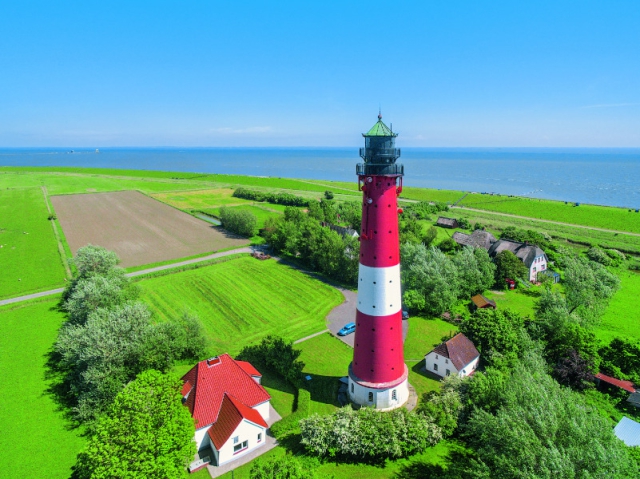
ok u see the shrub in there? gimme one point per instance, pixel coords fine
(463, 223)
(369, 434)
(328, 195)
(277, 354)
(599, 256)
(286, 199)
(238, 221)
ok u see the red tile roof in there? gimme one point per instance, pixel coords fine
(232, 413)
(248, 368)
(626, 385)
(211, 379)
(459, 349)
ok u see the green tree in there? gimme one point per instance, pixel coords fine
(444, 407)
(410, 230)
(146, 432)
(588, 287)
(430, 273)
(448, 245)
(498, 335)
(475, 271)
(92, 259)
(278, 355)
(328, 195)
(430, 236)
(539, 429)
(509, 266)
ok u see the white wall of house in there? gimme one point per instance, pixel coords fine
(201, 438)
(438, 364)
(539, 264)
(245, 432)
(264, 410)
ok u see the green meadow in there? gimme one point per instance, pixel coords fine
(29, 256)
(36, 439)
(241, 301)
(619, 219)
(262, 212)
(431, 194)
(621, 318)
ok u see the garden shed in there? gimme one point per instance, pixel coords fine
(447, 222)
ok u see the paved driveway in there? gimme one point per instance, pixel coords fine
(346, 313)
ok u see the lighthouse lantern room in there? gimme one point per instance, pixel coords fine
(377, 374)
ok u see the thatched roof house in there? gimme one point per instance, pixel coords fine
(447, 222)
(477, 239)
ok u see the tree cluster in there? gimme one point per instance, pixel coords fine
(606, 257)
(241, 222)
(368, 434)
(146, 432)
(109, 337)
(286, 199)
(509, 266)
(433, 281)
(301, 236)
(423, 209)
(276, 354)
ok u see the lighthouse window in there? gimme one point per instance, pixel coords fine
(394, 395)
(370, 397)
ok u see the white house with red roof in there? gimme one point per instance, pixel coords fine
(458, 356)
(230, 407)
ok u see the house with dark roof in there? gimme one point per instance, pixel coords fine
(445, 222)
(458, 356)
(229, 406)
(532, 256)
(477, 239)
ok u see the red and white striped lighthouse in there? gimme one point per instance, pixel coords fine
(377, 374)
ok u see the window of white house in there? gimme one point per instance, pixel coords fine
(240, 447)
(534, 269)
(259, 436)
(435, 367)
(394, 396)
(436, 356)
(370, 397)
(543, 267)
(236, 439)
(448, 372)
(446, 361)
(464, 371)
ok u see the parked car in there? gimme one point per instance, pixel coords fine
(348, 329)
(405, 314)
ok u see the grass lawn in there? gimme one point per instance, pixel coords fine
(326, 360)
(520, 300)
(612, 218)
(29, 256)
(430, 194)
(437, 455)
(261, 213)
(621, 318)
(424, 334)
(36, 440)
(243, 300)
(197, 200)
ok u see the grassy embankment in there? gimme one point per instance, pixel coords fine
(29, 256)
(36, 439)
(621, 317)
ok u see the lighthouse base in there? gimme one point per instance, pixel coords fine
(380, 396)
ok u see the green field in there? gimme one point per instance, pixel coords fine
(29, 256)
(243, 300)
(619, 219)
(520, 300)
(36, 440)
(327, 360)
(430, 194)
(259, 210)
(621, 318)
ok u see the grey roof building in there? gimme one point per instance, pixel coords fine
(477, 239)
(445, 222)
(526, 252)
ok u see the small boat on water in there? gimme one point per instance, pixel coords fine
(97, 151)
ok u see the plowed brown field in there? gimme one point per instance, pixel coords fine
(140, 229)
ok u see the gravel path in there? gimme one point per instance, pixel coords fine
(136, 273)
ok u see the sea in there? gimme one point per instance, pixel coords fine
(604, 176)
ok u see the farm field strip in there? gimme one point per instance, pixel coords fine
(37, 440)
(139, 229)
(29, 256)
(243, 300)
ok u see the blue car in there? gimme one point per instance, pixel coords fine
(348, 329)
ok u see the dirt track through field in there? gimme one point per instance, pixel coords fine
(139, 229)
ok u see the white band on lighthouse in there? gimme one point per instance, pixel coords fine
(379, 291)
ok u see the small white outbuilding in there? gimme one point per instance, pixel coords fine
(458, 356)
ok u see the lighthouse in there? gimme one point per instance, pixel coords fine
(377, 374)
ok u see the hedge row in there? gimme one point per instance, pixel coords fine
(286, 199)
(289, 424)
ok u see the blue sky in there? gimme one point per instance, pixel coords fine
(454, 73)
